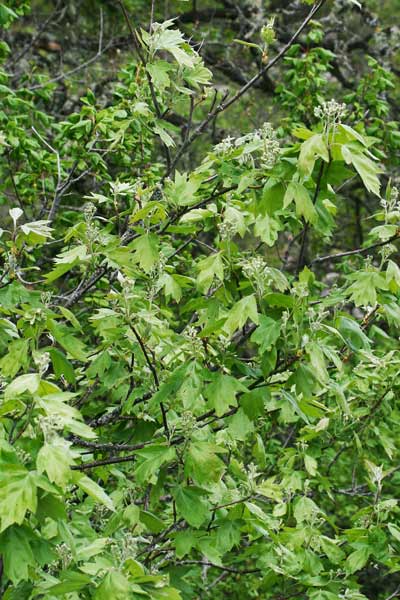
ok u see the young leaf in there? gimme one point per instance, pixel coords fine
(304, 205)
(221, 392)
(191, 504)
(93, 490)
(244, 309)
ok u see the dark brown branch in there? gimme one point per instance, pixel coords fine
(155, 376)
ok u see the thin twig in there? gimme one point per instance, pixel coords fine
(226, 104)
(136, 43)
(33, 40)
(151, 15)
(321, 259)
(14, 182)
(155, 376)
(83, 65)
(395, 594)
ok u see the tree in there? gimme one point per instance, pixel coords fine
(199, 314)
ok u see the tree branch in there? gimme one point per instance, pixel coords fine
(321, 259)
(225, 105)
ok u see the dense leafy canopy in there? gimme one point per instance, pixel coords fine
(199, 300)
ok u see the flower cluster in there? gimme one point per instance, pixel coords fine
(42, 361)
(156, 281)
(316, 318)
(262, 276)
(331, 113)
(50, 425)
(99, 515)
(92, 231)
(225, 146)
(89, 210)
(45, 298)
(189, 422)
(227, 230)
(195, 343)
(23, 456)
(392, 204)
(270, 146)
(268, 35)
(64, 554)
(257, 271)
(125, 547)
(263, 141)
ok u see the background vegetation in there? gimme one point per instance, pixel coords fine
(199, 299)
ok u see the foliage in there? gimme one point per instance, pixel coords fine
(199, 371)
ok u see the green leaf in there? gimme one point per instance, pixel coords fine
(67, 260)
(55, 460)
(244, 309)
(160, 130)
(208, 268)
(71, 581)
(364, 166)
(313, 148)
(267, 229)
(351, 133)
(393, 275)
(15, 294)
(63, 335)
(116, 586)
(152, 458)
(332, 550)
(170, 386)
(203, 464)
(272, 198)
(295, 405)
(266, 334)
(311, 465)
(146, 251)
(36, 231)
(197, 75)
(62, 366)
(317, 360)
(159, 73)
(240, 426)
(301, 196)
(182, 191)
(395, 531)
(100, 365)
(88, 550)
(221, 392)
(191, 505)
(15, 359)
(92, 489)
(17, 554)
(153, 523)
(357, 559)
(363, 290)
(17, 494)
(305, 510)
(24, 383)
(184, 542)
(353, 334)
